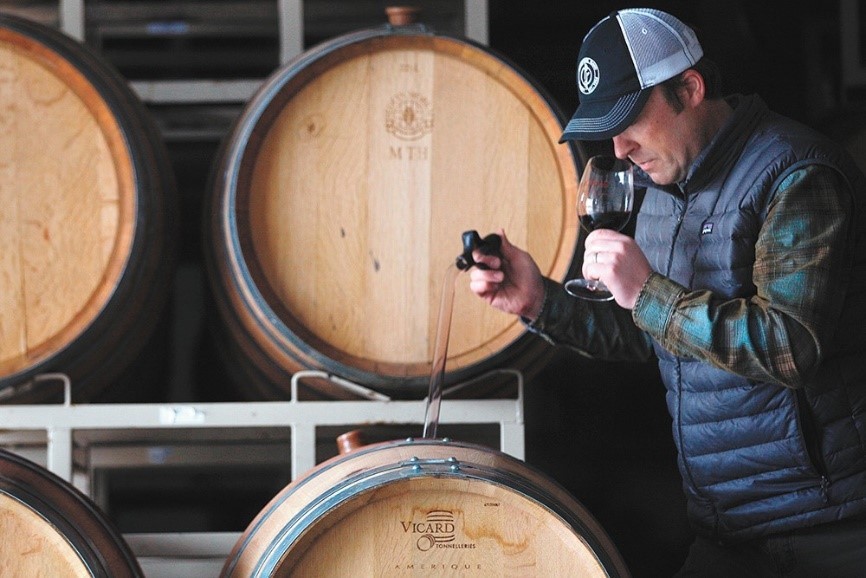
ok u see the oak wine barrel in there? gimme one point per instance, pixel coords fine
(340, 196)
(423, 508)
(50, 528)
(87, 218)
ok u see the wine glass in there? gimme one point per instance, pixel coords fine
(604, 201)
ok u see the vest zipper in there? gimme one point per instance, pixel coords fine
(810, 438)
(677, 226)
(825, 488)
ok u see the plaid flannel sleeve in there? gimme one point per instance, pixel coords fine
(801, 259)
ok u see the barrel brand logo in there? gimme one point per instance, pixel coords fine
(438, 529)
(409, 116)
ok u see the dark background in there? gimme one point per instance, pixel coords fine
(789, 52)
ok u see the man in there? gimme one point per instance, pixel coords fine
(746, 279)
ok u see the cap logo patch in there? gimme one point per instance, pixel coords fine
(587, 75)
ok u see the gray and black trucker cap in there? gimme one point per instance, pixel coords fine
(621, 59)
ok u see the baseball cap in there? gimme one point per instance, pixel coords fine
(621, 59)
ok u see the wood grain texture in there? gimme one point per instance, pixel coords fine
(352, 184)
(489, 515)
(66, 192)
(33, 547)
(51, 529)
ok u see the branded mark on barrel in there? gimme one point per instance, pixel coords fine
(438, 529)
(409, 116)
(437, 532)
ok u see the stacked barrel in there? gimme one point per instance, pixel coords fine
(87, 217)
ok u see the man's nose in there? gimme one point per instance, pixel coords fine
(622, 146)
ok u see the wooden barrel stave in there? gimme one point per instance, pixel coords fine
(339, 201)
(87, 253)
(50, 528)
(375, 510)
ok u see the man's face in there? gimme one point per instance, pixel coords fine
(660, 141)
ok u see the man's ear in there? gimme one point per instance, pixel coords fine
(693, 88)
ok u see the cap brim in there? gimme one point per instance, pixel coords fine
(605, 119)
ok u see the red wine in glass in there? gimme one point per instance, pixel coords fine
(604, 201)
(615, 220)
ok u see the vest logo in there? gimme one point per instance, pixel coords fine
(588, 75)
(707, 229)
(409, 116)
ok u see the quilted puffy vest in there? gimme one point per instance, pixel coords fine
(758, 458)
